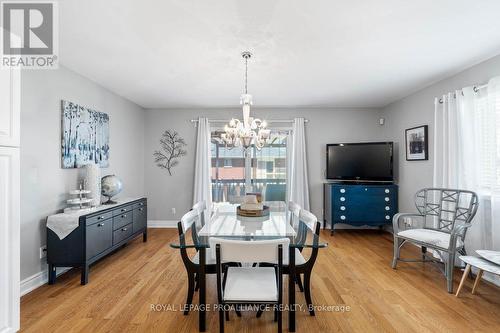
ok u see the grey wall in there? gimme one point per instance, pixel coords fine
(418, 109)
(134, 135)
(325, 126)
(44, 184)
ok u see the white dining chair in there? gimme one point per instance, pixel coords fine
(249, 285)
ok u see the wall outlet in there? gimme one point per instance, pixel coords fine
(173, 210)
(43, 251)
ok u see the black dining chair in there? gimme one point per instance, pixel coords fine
(192, 265)
(190, 221)
(307, 222)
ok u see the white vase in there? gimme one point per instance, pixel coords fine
(93, 180)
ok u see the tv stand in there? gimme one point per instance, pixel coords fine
(359, 204)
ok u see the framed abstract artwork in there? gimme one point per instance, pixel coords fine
(85, 136)
(417, 147)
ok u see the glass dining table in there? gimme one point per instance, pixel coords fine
(226, 223)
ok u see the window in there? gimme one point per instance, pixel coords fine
(487, 111)
(236, 172)
(269, 168)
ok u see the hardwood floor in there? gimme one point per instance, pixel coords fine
(354, 271)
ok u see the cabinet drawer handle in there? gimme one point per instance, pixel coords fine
(141, 209)
(342, 217)
(101, 217)
(387, 217)
(124, 229)
(387, 190)
(387, 199)
(124, 216)
(342, 207)
(342, 199)
(141, 204)
(124, 209)
(100, 224)
(342, 190)
(387, 207)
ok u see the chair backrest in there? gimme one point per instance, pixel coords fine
(294, 211)
(444, 207)
(189, 220)
(250, 251)
(201, 208)
(309, 219)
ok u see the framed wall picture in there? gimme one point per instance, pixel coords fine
(85, 136)
(417, 147)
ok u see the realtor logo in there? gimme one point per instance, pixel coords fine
(29, 34)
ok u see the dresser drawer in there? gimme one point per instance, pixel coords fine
(98, 218)
(362, 216)
(139, 204)
(122, 210)
(362, 189)
(122, 233)
(140, 219)
(99, 237)
(122, 220)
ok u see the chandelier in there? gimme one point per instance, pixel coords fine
(249, 131)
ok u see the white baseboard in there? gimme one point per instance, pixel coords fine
(162, 224)
(39, 279)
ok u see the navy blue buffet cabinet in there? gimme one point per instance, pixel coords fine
(97, 235)
(357, 204)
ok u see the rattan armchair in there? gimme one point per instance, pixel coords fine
(443, 217)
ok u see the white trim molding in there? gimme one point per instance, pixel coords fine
(9, 239)
(39, 279)
(162, 224)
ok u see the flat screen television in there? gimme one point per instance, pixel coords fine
(370, 161)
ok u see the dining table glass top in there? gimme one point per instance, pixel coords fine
(225, 223)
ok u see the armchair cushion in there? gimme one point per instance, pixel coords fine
(429, 236)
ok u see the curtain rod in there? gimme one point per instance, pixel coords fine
(267, 120)
(475, 88)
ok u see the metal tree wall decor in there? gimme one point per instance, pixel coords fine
(171, 148)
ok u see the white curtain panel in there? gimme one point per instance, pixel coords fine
(298, 185)
(466, 150)
(203, 164)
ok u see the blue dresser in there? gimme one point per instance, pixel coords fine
(360, 204)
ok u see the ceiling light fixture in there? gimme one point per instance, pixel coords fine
(249, 131)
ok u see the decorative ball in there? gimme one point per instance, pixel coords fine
(111, 186)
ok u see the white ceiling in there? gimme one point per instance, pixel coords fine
(356, 53)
